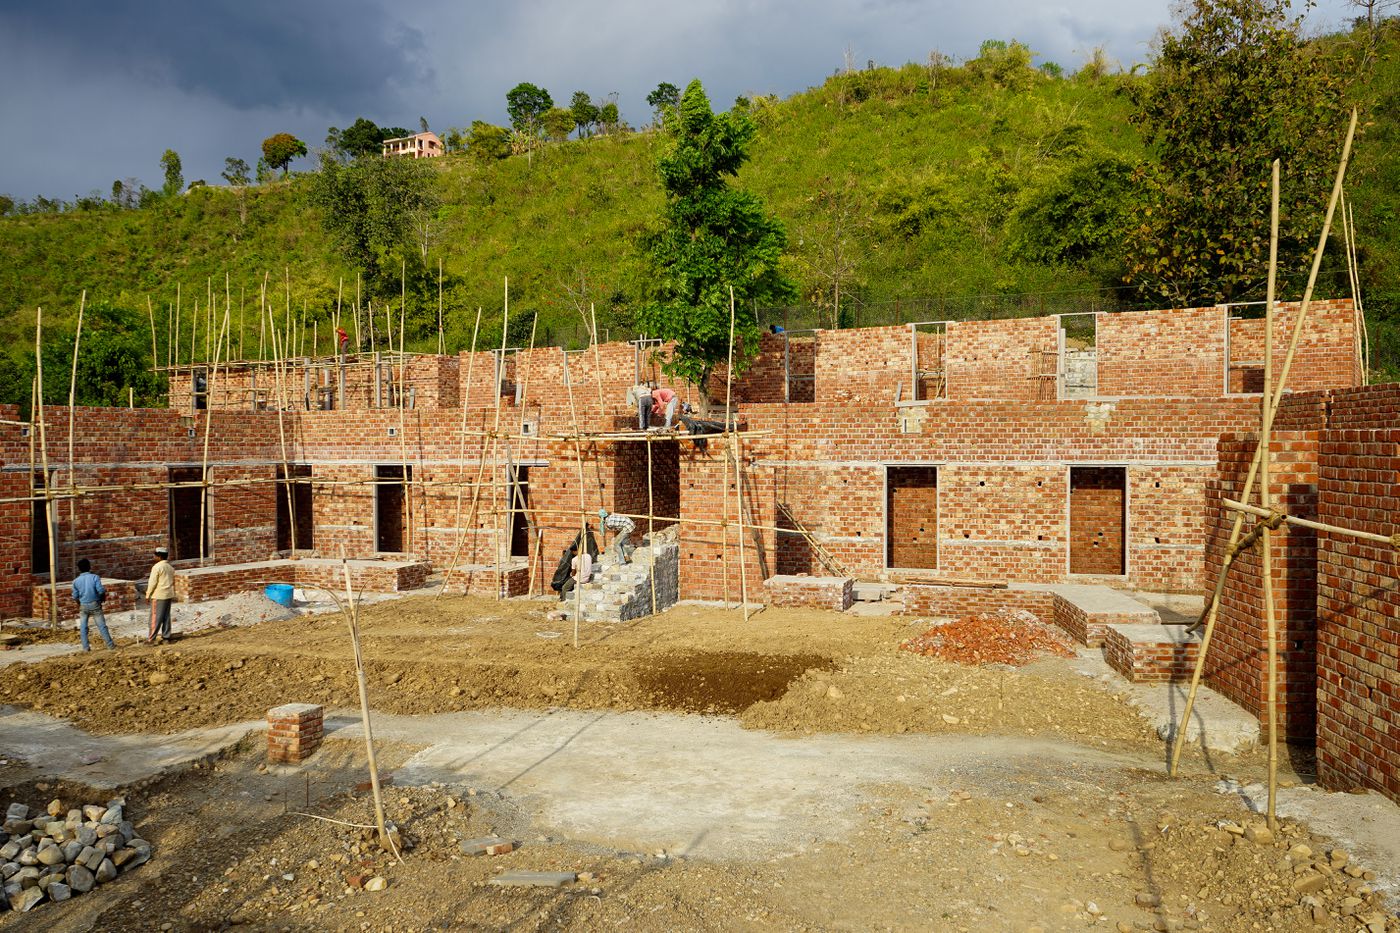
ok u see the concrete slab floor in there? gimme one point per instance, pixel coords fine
(62, 751)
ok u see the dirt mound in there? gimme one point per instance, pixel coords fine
(903, 693)
(1012, 637)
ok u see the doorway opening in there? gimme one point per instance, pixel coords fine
(298, 517)
(189, 514)
(1098, 520)
(39, 529)
(911, 517)
(519, 505)
(390, 507)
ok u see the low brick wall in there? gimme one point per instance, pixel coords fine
(121, 595)
(815, 592)
(294, 732)
(933, 600)
(488, 582)
(196, 584)
(1150, 653)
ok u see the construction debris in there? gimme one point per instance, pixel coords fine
(1014, 637)
(65, 851)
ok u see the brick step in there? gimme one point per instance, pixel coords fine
(1086, 612)
(1151, 653)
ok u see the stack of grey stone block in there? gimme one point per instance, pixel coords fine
(619, 592)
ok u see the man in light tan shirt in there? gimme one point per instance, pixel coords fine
(161, 593)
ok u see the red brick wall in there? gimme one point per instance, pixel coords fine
(996, 360)
(1237, 660)
(912, 516)
(1177, 352)
(1358, 605)
(1097, 501)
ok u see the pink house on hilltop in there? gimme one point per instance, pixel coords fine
(418, 146)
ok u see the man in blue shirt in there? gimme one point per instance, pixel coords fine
(89, 592)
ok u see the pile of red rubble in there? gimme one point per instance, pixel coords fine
(1012, 637)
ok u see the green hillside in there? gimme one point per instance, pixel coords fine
(907, 186)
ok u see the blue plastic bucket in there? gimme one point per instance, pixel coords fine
(279, 593)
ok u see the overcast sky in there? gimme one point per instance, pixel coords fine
(96, 90)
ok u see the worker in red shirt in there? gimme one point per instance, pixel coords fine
(663, 404)
(342, 342)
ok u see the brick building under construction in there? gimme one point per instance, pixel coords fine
(956, 465)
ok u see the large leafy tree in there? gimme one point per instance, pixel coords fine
(280, 149)
(712, 237)
(170, 166)
(584, 111)
(666, 97)
(372, 209)
(1233, 87)
(236, 171)
(363, 138)
(527, 104)
(488, 142)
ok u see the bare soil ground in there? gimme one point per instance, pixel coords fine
(786, 669)
(1063, 848)
(1124, 851)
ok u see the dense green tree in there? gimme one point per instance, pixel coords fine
(488, 142)
(170, 166)
(608, 117)
(1233, 87)
(585, 112)
(526, 105)
(558, 123)
(7, 204)
(1079, 217)
(371, 209)
(712, 237)
(666, 97)
(280, 149)
(235, 171)
(362, 138)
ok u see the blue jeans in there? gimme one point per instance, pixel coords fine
(94, 610)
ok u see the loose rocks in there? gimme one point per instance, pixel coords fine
(66, 852)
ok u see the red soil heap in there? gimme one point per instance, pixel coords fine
(1015, 637)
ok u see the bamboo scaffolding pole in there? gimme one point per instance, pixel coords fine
(72, 411)
(1273, 399)
(597, 364)
(442, 336)
(738, 463)
(583, 515)
(651, 526)
(287, 319)
(194, 332)
(151, 315)
(352, 614)
(44, 458)
(500, 373)
(176, 345)
(282, 438)
(515, 498)
(242, 319)
(208, 433)
(462, 456)
(263, 312)
(208, 313)
(403, 404)
(357, 312)
(1266, 500)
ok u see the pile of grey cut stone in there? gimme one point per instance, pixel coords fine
(62, 852)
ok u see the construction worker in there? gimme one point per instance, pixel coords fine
(342, 343)
(622, 527)
(161, 593)
(640, 395)
(663, 405)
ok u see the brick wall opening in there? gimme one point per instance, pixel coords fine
(39, 530)
(186, 503)
(911, 517)
(1098, 520)
(800, 365)
(389, 507)
(519, 503)
(299, 513)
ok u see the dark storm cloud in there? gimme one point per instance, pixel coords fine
(119, 82)
(334, 54)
